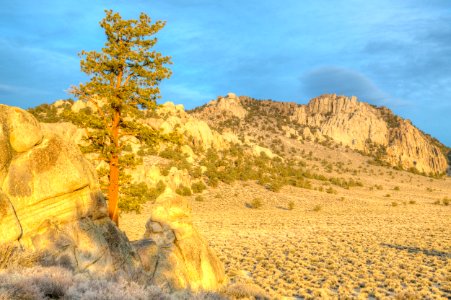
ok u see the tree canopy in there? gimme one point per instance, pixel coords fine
(124, 80)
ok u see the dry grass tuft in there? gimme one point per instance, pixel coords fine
(245, 291)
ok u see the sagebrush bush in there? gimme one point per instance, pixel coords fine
(59, 283)
(245, 291)
(39, 282)
(184, 190)
(198, 187)
(255, 203)
(13, 257)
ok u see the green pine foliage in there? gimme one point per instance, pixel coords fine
(134, 195)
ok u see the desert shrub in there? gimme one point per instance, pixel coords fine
(387, 195)
(198, 187)
(173, 154)
(189, 295)
(341, 182)
(330, 190)
(12, 256)
(407, 295)
(245, 291)
(256, 203)
(183, 190)
(35, 283)
(275, 185)
(437, 202)
(146, 150)
(317, 208)
(394, 204)
(412, 202)
(60, 283)
(195, 172)
(396, 188)
(446, 201)
(112, 289)
(199, 198)
(291, 205)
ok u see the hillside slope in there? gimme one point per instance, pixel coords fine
(330, 119)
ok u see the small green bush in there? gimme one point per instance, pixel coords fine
(317, 208)
(330, 190)
(183, 191)
(198, 187)
(290, 205)
(256, 203)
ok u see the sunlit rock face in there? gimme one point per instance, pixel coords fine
(180, 255)
(50, 200)
(358, 124)
(51, 203)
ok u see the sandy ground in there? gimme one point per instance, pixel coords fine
(383, 240)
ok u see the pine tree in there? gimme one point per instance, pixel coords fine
(124, 79)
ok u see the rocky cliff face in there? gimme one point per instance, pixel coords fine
(50, 202)
(345, 120)
(362, 126)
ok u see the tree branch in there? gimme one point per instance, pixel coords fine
(102, 114)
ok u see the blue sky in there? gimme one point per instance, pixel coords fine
(395, 53)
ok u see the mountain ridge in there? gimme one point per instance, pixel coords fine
(373, 130)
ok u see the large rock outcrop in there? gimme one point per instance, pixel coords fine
(229, 105)
(179, 255)
(197, 133)
(362, 127)
(345, 120)
(51, 203)
(50, 200)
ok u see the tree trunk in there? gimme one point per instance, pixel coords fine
(113, 190)
(113, 187)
